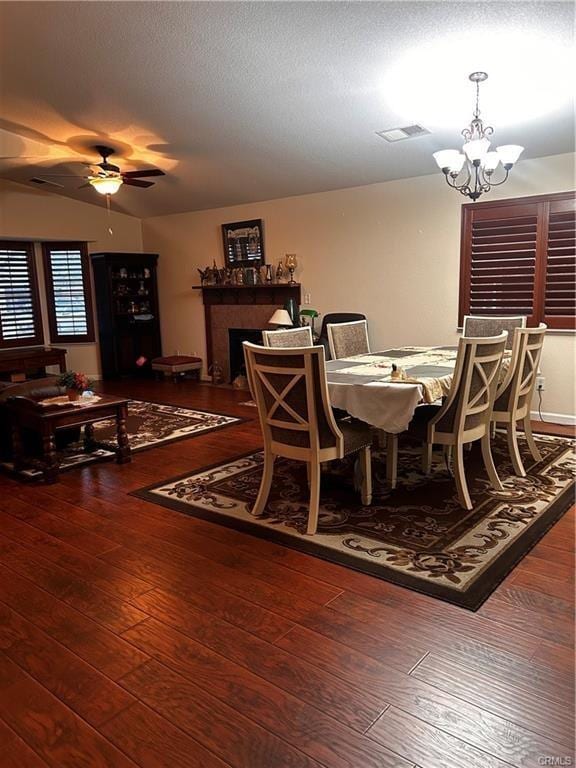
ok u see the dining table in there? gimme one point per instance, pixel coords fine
(384, 388)
(368, 387)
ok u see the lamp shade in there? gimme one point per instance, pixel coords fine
(106, 186)
(281, 317)
(446, 158)
(491, 161)
(509, 153)
(476, 149)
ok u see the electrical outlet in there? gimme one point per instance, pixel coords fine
(540, 383)
(307, 299)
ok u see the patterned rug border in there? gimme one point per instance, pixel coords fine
(239, 420)
(471, 600)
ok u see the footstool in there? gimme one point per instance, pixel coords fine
(175, 365)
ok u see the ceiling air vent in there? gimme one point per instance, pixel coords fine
(36, 180)
(400, 134)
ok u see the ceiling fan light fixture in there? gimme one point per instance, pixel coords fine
(106, 185)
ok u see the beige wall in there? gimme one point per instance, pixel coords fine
(38, 215)
(390, 250)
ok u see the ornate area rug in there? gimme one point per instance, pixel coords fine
(149, 425)
(416, 535)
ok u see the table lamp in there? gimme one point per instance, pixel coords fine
(281, 318)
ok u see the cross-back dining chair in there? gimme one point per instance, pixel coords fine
(348, 339)
(479, 325)
(465, 415)
(514, 394)
(297, 422)
(288, 337)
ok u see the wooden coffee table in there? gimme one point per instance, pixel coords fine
(45, 420)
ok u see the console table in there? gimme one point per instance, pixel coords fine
(28, 359)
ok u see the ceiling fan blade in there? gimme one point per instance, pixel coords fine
(82, 186)
(137, 174)
(138, 183)
(62, 175)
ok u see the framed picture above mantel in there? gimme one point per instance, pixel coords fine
(243, 243)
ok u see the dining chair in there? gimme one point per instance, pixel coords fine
(465, 415)
(297, 421)
(288, 337)
(348, 339)
(333, 318)
(479, 325)
(514, 394)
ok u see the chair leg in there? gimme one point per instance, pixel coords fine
(489, 462)
(265, 485)
(512, 435)
(366, 469)
(391, 459)
(448, 459)
(493, 426)
(315, 474)
(460, 477)
(536, 455)
(427, 458)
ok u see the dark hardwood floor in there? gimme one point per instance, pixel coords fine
(132, 635)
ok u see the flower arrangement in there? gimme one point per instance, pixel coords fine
(75, 383)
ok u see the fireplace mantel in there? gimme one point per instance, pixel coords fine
(266, 293)
(239, 306)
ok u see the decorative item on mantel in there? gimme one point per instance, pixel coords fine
(476, 162)
(291, 264)
(243, 243)
(75, 384)
(279, 272)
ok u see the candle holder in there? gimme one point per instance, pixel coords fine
(291, 264)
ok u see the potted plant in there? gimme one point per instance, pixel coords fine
(74, 383)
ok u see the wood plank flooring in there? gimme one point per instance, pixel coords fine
(132, 635)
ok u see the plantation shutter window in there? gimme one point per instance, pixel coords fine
(20, 320)
(68, 294)
(560, 292)
(518, 258)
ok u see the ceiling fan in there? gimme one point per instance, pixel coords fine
(107, 178)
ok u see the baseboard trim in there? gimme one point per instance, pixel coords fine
(554, 418)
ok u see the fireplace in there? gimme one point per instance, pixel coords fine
(235, 351)
(242, 308)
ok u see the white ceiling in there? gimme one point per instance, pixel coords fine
(241, 102)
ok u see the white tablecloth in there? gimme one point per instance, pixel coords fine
(384, 405)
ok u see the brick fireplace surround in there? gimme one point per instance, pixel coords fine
(239, 306)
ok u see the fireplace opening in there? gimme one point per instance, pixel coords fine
(236, 354)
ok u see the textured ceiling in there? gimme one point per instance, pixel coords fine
(240, 102)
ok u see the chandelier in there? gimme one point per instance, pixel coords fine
(471, 171)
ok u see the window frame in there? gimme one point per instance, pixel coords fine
(521, 206)
(38, 338)
(56, 337)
